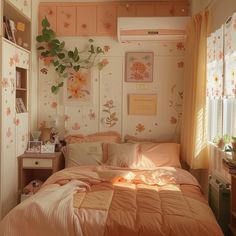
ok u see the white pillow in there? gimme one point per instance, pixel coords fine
(84, 154)
(123, 155)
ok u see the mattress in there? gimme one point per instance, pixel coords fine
(103, 200)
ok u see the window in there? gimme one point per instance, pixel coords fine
(221, 81)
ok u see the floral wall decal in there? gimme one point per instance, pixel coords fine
(92, 115)
(76, 126)
(140, 127)
(79, 86)
(111, 117)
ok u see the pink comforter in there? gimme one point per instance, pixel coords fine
(110, 201)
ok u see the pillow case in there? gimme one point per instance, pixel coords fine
(83, 154)
(123, 155)
(110, 136)
(134, 139)
(160, 154)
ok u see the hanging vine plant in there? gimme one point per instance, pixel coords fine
(52, 52)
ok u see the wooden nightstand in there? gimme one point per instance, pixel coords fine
(38, 166)
(233, 205)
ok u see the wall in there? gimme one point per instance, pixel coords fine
(109, 85)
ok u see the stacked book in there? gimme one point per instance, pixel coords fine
(230, 164)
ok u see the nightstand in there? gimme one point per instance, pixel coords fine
(233, 205)
(38, 166)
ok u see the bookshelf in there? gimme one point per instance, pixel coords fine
(15, 70)
(21, 90)
(13, 18)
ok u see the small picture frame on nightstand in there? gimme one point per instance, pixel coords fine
(34, 146)
(48, 148)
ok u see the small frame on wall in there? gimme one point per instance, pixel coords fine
(139, 66)
(34, 146)
(142, 104)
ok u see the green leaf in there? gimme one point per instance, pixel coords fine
(40, 38)
(61, 84)
(55, 63)
(76, 68)
(91, 40)
(62, 45)
(91, 49)
(55, 41)
(54, 89)
(61, 55)
(40, 48)
(76, 52)
(70, 54)
(65, 75)
(45, 22)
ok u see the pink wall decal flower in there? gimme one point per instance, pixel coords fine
(92, 115)
(106, 48)
(5, 83)
(16, 121)
(180, 46)
(180, 64)
(111, 119)
(66, 117)
(54, 105)
(173, 120)
(42, 124)
(8, 111)
(75, 126)
(140, 127)
(11, 61)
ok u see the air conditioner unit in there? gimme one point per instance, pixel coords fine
(152, 28)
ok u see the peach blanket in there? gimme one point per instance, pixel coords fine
(110, 201)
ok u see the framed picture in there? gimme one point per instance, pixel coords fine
(139, 67)
(34, 146)
(142, 104)
(78, 87)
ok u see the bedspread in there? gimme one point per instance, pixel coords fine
(110, 201)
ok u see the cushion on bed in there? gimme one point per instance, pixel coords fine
(134, 139)
(110, 136)
(160, 154)
(123, 155)
(89, 153)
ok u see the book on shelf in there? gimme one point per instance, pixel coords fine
(9, 28)
(20, 106)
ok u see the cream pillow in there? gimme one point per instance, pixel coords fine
(123, 155)
(84, 154)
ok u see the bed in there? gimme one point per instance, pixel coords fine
(117, 189)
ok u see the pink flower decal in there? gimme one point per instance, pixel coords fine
(111, 118)
(106, 48)
(180, 64)
(180, 46)
(92, 115)
(102, 64)
(54, 105)
(8, 111)
(140, 127)
(11, 62)
(47, 60)
(173, 120)
(76, 126)
(66, 25)
(16, 58)
(16, 121)
(5, 83)
(66, 117)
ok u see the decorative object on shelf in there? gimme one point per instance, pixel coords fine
(232, 148)
(35, 135)
(46, 135)
(34, 146)
(222, 142)
(139, 67)
(53, 52)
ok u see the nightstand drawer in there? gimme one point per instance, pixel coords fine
(36, 163)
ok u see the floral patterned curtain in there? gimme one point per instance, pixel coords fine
(215, 65)
(230, 57)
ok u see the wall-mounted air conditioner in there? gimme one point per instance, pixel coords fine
(152, 28)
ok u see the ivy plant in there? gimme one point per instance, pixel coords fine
(53, 52)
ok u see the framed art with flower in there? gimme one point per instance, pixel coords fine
(139, 66)
(79, 87)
